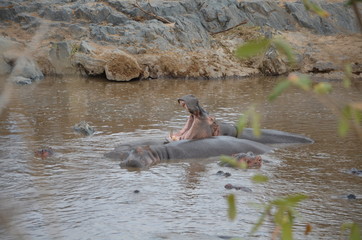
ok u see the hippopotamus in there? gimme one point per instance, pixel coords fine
(145, 156)
(201, 125)
(249, 159)
(44, 153)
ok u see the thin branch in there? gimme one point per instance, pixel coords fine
(164, 20)
(237, 25)
(357, 13)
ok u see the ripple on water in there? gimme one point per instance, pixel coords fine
(79, 194)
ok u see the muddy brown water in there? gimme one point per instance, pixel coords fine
(79, 194)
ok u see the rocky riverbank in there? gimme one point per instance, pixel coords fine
(126, 40)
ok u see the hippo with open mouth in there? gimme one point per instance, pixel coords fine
(201, 125)
(148, 155)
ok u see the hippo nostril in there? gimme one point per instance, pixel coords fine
(132, 164)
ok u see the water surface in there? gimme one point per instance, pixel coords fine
(80, 194)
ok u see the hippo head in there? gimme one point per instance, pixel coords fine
(140, 157)
(44, 153)
(199, 125)
(191, 104)
(251, 160)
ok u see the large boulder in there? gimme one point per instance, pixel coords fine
(121, 66)
(25, 71)
(7, 45)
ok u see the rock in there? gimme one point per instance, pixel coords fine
(351, 196)
(273, 64)
(85, 47)
(76, 24)
(323, 67)
(267, 14)
(25, 71)
(90, 64)
(225, 174)
(95, 13)
(84, 128)
(122, 67)
(7, 45)
(56, 13)
(219, 15)
(330, 25)
(237, 187)
(60, 53)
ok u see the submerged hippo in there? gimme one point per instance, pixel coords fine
(201, 125)
(146, 156)
(44, 153)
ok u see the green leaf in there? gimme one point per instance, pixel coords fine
(355, 232)
(279, 89)
(231, 207)
(343, 126)
(284, 48)
(242, 123)
(287, 229)
(253, 48)
(256, 123)
(302, 81)
(290, 200)
(347, 76)
(322, 88)
(258, 178)
(261, 219)
(229, 160)
(315, 8)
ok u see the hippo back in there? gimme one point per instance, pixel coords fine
(208, 147)
(270, 136)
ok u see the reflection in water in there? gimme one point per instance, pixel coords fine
(79, 194)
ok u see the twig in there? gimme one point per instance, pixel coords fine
(237, 25)
(164, 20)
(357, 13)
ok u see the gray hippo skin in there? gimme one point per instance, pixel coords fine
(146, 156)
(270, 136)
(201, 125)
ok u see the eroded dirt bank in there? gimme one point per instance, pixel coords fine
(125, 40)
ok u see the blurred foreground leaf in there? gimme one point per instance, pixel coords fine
(231, 207)
(255, 123)
(242, 122)
(301, 80)
(252, 116)
(291, 200)
(279, 89)
(259, 178)
(253, 48)
(347, 75)
(343, 126)
(233, 162)
(315, 8)
(322, 88)
(284, 48)
(283, 212)
(355, 232)
(351, 113)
